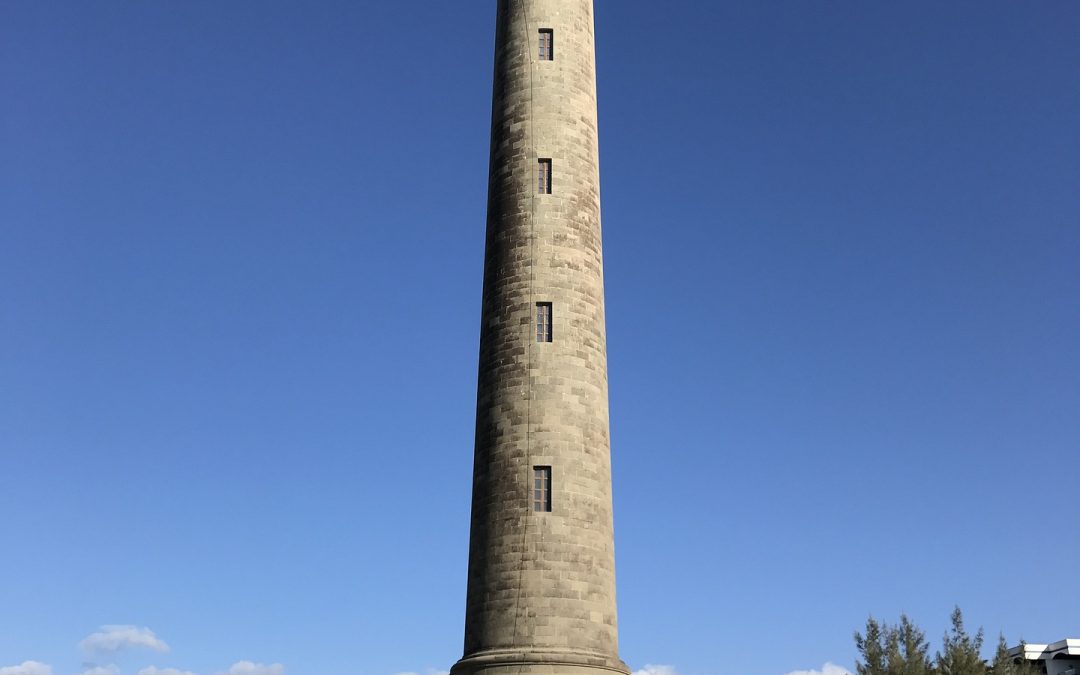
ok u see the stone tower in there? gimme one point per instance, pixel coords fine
(541, 592)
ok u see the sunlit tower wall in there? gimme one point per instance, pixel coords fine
(541, 585)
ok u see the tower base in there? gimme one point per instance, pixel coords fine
(538, 662)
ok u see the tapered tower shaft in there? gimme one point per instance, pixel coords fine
(541, 589)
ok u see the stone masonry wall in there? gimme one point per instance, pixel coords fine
(543, 583)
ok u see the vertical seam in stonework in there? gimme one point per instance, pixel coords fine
(531, 339)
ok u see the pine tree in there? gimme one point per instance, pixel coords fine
(1002, 663)
(911, 656)
(902, 649)
(1005, 664)
(871, 649)
(893, 650)
(961, 653)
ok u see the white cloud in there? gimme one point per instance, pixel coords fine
(27, 668)
(100, 670)
(153, 670)
(651, 669)
(829, 668)
(249, 668)
(115, 638)
(656, 670)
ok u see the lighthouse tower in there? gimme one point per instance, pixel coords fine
(541, 588)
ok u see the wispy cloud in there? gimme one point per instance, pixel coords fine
(154, 670)
(116, 638)
(653, 669)
(829, 668)
(100, 670)
(249, 668)
(27, 668)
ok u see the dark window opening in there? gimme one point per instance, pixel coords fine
(543, 322)
(542, 489)
(547, 44)
(544, 173)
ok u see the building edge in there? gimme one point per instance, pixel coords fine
(547, 661)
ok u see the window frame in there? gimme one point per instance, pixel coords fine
(545, 175)
(545, 319)
(546, 51)
(541, 489)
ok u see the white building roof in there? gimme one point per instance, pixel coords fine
(1038, 652)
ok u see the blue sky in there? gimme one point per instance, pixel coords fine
(240, 266)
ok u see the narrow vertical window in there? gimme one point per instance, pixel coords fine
(542, 489)
(543, 322)
(544, 174)
(547, 44)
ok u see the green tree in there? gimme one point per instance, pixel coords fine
(909, 652)
(1004, 664)
(893, 650)
(871, 648)
(902, 649)
(961, 653)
